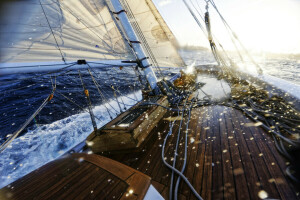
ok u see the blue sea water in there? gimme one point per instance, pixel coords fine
(61, 124)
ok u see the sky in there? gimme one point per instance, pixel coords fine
(262, 25)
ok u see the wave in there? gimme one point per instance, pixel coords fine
(48, 142)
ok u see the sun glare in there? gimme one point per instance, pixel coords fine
(271, 26)
(262, 25)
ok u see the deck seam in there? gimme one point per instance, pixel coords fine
(263, 158)
(238, 147)
(230, 151)
(248, 148)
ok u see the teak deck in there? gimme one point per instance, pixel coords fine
(80, 176)
(228, 157)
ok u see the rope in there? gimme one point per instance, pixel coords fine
(253, 117)
(185, 153)
(174, 169)
(175, 154)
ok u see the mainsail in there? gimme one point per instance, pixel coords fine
(52, 30)
(40, 31)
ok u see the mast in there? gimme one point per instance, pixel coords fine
(136, 45)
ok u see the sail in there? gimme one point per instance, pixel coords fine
(154, 34)
(59, 30)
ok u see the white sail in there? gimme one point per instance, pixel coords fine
(156, 37)
(56, 30)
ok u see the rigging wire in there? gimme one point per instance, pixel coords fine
(208, 34)
(195, 17)
(204, 31)
(122, 94)
(4, 145)
(41, 75)
(259, 69)
(100, 92)
(234, 43)
(86, 92)
(53, 33)
(73, 102)
(216, 54)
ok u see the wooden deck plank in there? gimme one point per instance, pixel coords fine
(217, 182)
(81, 176)
(162, 175)
(280, 181)
(159, 165)
(158, 186)
(206, 188)
(89, 190)
(181, 150)
(273, 156)
(242, 191)
(151, 163)
(248, 166)
(42, 172)
(169, 154)
(60, 187)
(118, 192)
(257, 157)
(100, 188)
(223, 162)
(72, 185)
(228, 177)
(197, 176)
(194, 137)
(34, 185)
(227, 159)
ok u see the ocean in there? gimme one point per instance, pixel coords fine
(65, 122)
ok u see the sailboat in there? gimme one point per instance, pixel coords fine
(208, 132)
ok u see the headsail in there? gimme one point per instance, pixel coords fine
(55, 30)
(153, 32)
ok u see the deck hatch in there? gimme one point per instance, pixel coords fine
(132, 116)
